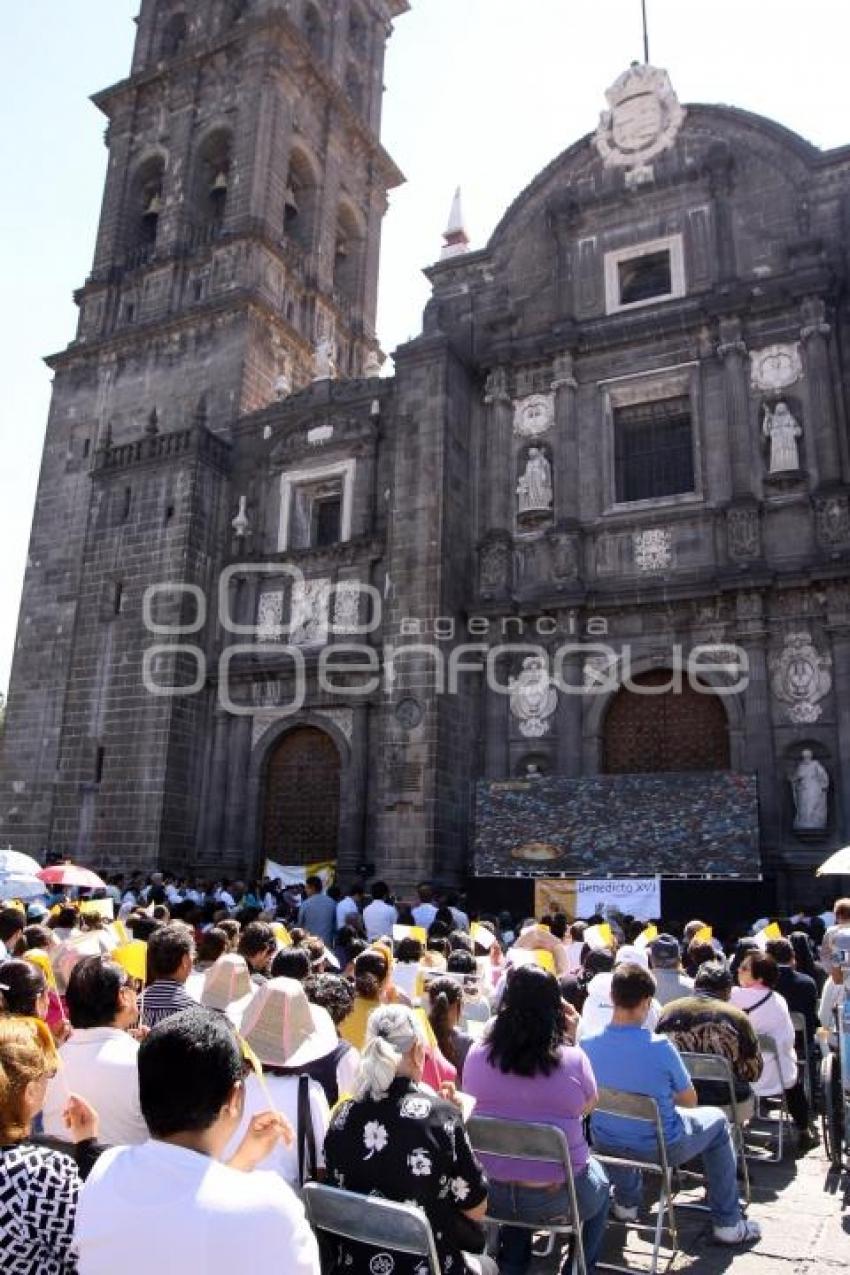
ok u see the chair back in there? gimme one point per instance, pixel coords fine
(515, 1140)
(712, 1067)
(634, 1106)
(769, 1047)
(368, 1219)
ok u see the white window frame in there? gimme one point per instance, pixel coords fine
(674, 244)
(306, 477)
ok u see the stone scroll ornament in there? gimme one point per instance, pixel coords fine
(643, 120)
(800, 677)
(533, 698)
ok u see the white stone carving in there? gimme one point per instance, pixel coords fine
(533, 697)
(775, 367)
(241, 526)
(320, 434)
(653, 549)
(643, 120)
(810, 785)
(346, 596)
(800, 677)
(372, 366)
(534, 415)
(282, 387)
(783, 430)
(270, 616)
(534, 488)
(324, 361)
(342, 718)
(308, 615)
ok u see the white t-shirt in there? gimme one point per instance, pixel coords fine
(379, 918)
(99, 1064)
(599, 1008)
(283, 1091)
(159, 1207)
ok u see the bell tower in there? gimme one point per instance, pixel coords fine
(240, 228)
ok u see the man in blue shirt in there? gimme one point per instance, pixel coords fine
(317, 913)
(628, 1056)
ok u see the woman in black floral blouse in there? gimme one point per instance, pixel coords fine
(398, 1139)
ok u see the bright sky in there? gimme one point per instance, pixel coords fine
(479, 92)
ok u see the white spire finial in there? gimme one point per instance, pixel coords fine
(457, 240)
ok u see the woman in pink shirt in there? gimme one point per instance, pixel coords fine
(525, 1070)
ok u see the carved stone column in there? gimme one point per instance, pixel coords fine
(821, 425)
(565, 446)
(496, 732)
(733, 352)
(719, 169)
(218, 787)
(352, 843)
(499, 472)
(569, 713)
(758, 730)
(238, 762)
(838, 617)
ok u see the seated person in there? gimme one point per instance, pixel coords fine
(599, 1005)
(665, 961)
(527, 1070)
(99, 1060)
(170, 1204)
(626, 1056)
(400, 1140)
(171, 955)
(445, 1005)
(335, 994)
(705, 1023)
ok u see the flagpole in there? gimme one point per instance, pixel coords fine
(645, 34)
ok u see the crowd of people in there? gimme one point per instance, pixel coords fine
(170, 1121)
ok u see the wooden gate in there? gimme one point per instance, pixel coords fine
(648, 734)
(301, 816)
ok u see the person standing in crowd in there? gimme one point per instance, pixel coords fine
(703, 1022)
(426, 909)
(99, 1060)
(39, 1187)
(665, 961)
(170, 1204)
(317, 913)
(525, 1070)
(758, 975)
(401, 1141)
(171, 953)
(23, 989)
(257, 946)
(12, 922)
(628, 1057)
(379, 916)
(348, 908)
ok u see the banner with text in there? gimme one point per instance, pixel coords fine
(639, 897)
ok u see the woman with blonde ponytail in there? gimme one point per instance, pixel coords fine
(399, 1139)
(38, 1186)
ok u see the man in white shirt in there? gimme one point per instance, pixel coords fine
(425, 910)
(348, 909)
(379, 917)
(170, 1204)
(99, 1061)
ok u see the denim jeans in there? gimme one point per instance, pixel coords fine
(707, 1135)
(531, 1204)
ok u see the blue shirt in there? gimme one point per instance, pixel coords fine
(317, 914)
(635, 1060)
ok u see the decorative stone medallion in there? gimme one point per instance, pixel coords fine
(643, 120)
(800, 677)
(409, 712)
(775, 367)
(534, 415)
(653, 549)
(533, 698)
(832, 519)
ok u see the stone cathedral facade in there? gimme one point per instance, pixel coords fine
(279, 606)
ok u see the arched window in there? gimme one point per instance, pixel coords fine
(213, 179)
(145, 208)
(314, 30)
(354, 88)
(299, 212)
(348, 251)
(174, 36)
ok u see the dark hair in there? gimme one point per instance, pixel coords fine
(64, 919)
(714, 977)
(697, 954)
(442, 994)
(530, 1027)
(353, 949)
(291, 962)
(425, 891)
(231, 927)
(188, 1066)
(332, 992)
(781, 951)
(438, 944)
(461, 962)
(142, 927)
(37, 936)
(560, 925)
(762, 967)
(445, 917)
(379, 890)
(802, 948)
(371, 971)
(742, 948)
(212, 944)
(162, 913)
(577, 930)
(256, 938)
(596, 960)
(631, 984)
(315, 883)
(93, 989)
(167, 947)
(459, 941)
(316, 951)
(22, 984)
(409, 951)
(12, 922)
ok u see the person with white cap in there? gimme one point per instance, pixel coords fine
(288, 1035)
(599, 1007)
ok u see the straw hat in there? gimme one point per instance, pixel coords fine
(227, 980)
(284, 1029)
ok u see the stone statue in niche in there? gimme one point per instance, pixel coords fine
(810, 785)
(324, 360)
(533, 697)
(783, 430)
(534, 488)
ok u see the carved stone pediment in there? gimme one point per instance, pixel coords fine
(321, 432)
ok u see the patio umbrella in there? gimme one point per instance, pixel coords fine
(837, 865)
(13, 862)
(16, 886)
(69, 874)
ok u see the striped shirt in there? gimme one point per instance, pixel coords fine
(162, 999)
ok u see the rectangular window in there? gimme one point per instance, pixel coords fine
(653, 450)
(644, 278)
(644, 274)
(316, 515)
(327, 518)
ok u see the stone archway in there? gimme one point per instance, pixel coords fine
(301, 801)
(667, 731)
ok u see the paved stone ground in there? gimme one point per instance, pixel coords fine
(804, 1212)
